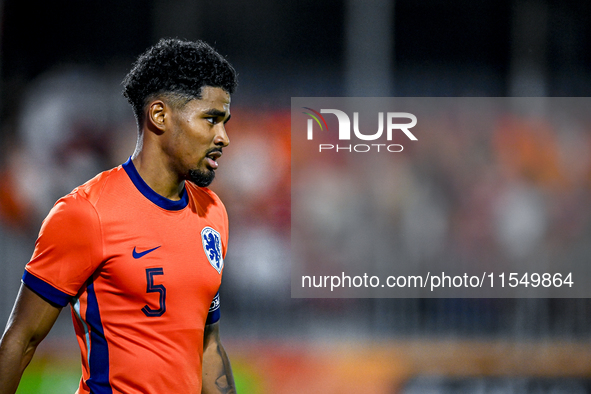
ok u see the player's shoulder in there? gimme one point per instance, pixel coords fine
(93, 189)
(83, 199)
(206, 203)
(203, 194)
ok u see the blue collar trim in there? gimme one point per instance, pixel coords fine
(162, 202)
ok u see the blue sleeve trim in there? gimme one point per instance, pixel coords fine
(213, 317)
(45, 290)
(214, 310)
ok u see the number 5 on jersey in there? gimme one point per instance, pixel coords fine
(152, 288)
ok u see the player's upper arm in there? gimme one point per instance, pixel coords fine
(32, 315)
(30, 321)
(31, 318)
(211, 332)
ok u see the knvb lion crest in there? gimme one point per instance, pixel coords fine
(212, 245)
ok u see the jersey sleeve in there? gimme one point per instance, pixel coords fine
(67, 252)
(226, 231)
(214, 310)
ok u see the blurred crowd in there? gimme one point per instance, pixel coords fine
(501, 187)
(488, 190)
(488, 185)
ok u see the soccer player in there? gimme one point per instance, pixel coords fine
(138, 250)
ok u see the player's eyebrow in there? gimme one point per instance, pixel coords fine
(218, 113)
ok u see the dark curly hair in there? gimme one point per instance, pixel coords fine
(178, 69)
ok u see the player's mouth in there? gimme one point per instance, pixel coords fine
(212, 158)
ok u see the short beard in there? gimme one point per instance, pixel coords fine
(201, 178)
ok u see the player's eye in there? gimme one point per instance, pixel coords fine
(212, 120)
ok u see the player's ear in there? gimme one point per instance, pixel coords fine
(156, 116)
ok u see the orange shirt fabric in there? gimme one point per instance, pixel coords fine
(141, 273)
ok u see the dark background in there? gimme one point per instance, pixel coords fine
(299, 48)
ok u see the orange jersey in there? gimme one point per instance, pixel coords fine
(141, 273)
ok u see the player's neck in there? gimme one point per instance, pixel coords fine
(155, 171)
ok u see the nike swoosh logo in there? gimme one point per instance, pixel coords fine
(137, 255)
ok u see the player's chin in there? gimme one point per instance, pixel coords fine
(202, 178)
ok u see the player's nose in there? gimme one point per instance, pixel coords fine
(221, 137)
